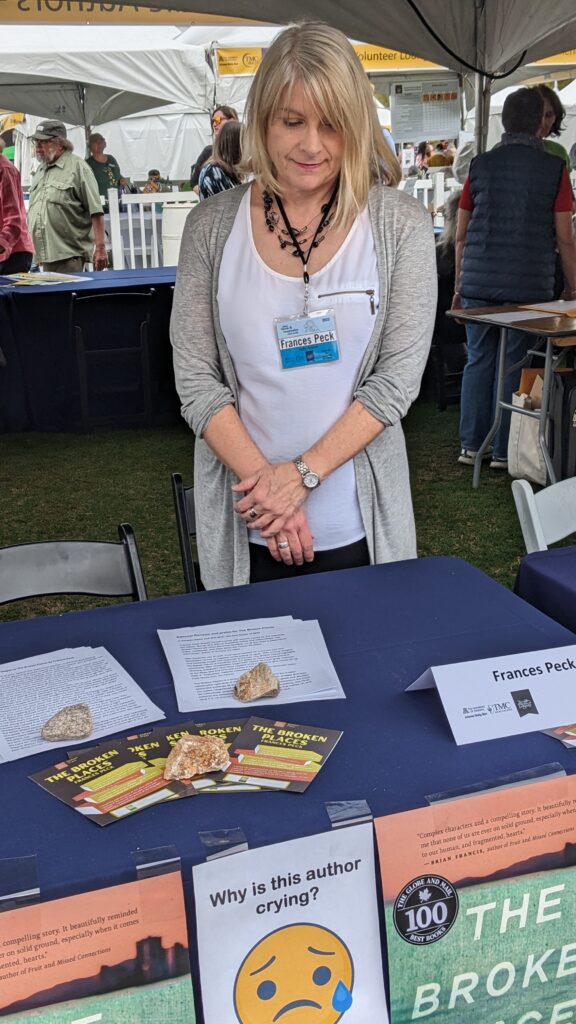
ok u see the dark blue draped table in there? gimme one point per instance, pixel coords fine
(383, 626)
(39, 387)
(547, 580)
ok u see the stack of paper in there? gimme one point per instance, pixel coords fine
(35, 689)
(206, 661)
(44, 278)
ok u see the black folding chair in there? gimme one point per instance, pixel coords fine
(98, 568)
(186, 526)
(110, 334)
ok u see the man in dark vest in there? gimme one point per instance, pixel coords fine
(515, 213)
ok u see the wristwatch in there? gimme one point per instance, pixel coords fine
(310, 479)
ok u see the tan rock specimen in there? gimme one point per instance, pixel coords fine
(73, 722)
(196, 755)
(259, 681)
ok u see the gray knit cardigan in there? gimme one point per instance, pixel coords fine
(388, 380)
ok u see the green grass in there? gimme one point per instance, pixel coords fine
(72, 486)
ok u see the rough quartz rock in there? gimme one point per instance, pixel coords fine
(73, 722)
(259, 681)
(196, 755)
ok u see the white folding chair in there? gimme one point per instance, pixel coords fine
(140, 244)
(547, 516)
(424, 190)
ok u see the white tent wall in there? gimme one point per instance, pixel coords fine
(169, 139)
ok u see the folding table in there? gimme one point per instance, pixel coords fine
(559, 332)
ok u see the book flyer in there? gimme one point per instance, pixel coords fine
(290, 933)
(227, 730)
(279, 755)
(480, 901)
(111, 782)
(116, 956)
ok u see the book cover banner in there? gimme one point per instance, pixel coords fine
(289, 933)
(116, 956)
(480, 907)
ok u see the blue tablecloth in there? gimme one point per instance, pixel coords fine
(547, 579)
(39, 386)
(93, 281)
(383, 626)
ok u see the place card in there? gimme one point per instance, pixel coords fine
(507, 695)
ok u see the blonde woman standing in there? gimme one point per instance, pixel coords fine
(302, 319)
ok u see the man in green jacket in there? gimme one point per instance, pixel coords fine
(65, 214)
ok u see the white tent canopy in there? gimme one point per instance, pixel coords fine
(90, 75)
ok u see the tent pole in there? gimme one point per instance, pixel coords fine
(482, 104)
(481, 82)
(87, 128)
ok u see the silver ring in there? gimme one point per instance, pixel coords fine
(283, 544)
(252, 513)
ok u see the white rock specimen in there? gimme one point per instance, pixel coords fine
(196, 755)
(259, 681)
(73, 722)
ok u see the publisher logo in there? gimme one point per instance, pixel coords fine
(524, 702)
(425, 910)
(500, 708)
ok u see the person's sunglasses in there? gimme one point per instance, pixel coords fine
(219, 119)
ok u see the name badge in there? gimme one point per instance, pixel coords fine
(307, 340)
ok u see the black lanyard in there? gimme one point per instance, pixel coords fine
(304, 257)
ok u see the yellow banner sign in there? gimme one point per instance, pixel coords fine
(569, 57)
(9, 121)
(81, 12)
(378, 58)
(239, 60)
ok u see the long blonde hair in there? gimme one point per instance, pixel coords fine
(322, 60)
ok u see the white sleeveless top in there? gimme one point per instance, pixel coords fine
(287, 411)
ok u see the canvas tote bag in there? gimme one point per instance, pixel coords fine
(525, 459)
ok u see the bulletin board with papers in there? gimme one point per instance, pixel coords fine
(425, 108)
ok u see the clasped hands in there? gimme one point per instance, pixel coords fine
(272, 503)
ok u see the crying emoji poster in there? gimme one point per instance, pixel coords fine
(298, 973)
(288, 934)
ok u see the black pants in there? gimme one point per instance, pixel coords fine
(17, 263)
(264, 567)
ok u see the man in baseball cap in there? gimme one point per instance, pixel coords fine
(47, 130)
(65, 213)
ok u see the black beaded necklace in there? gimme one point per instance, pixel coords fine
(294, 238)
(295, 234)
